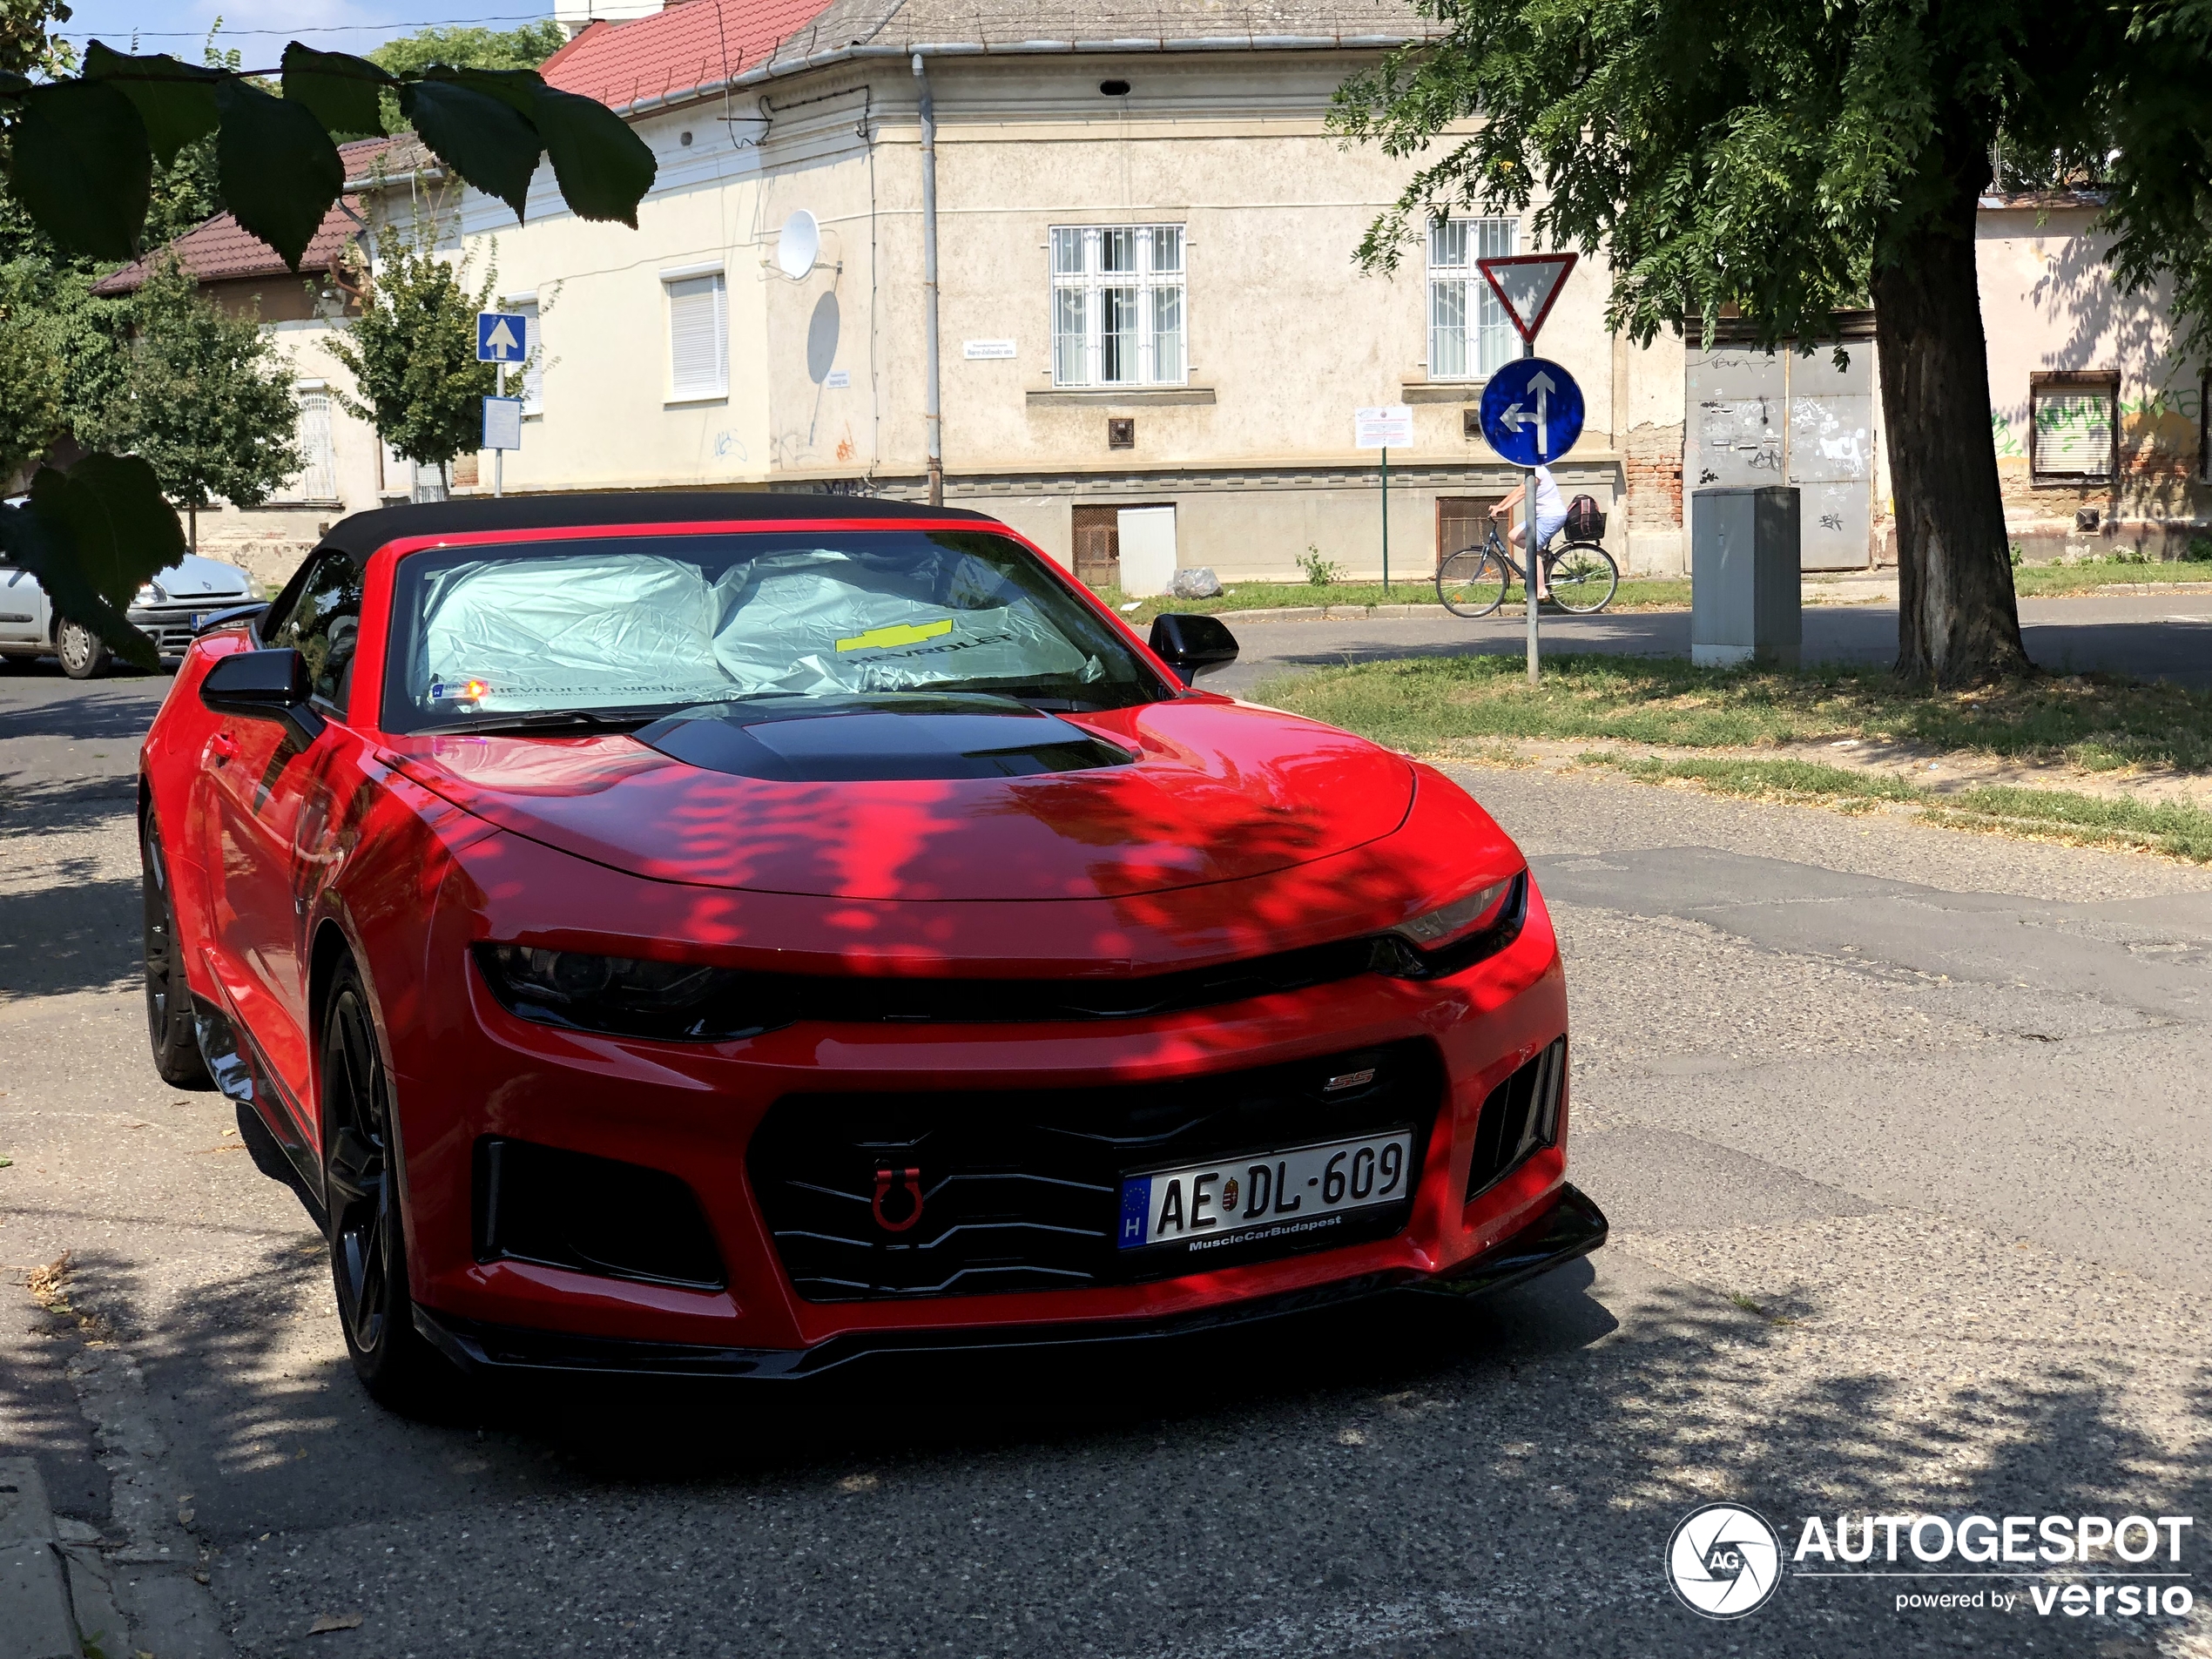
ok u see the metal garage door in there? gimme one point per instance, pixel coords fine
(1775, 417)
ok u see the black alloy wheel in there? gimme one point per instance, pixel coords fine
(84, 653)
(168, 1019)
(368, 1240)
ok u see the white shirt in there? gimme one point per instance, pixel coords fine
(1549, 503)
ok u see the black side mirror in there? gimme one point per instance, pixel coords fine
(265, 685)
(1192, 645)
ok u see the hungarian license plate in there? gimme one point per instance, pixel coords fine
(1282, 1195)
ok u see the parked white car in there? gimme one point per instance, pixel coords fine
(171, 608)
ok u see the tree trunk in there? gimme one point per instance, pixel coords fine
(1958, 621)
(192, 518)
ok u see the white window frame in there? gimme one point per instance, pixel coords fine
(676, 288)
(1470, 336)
(532, 390)
(1138, 274)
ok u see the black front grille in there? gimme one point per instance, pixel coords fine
(1021, 1190)
(1520, 1115)
(591, 1215)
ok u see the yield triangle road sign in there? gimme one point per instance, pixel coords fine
(1525, 284)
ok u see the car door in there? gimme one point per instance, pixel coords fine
(23, 608)
(273, 826)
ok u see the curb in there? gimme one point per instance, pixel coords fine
(36, 1620)
(1328, 613)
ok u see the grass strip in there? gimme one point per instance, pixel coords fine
(2172, 828)
(1438, 705)
(2029, 580)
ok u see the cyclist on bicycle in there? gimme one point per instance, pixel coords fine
(1551, 515)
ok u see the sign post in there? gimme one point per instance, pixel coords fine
(1520, 415)
(502, 337)
(1378, 429)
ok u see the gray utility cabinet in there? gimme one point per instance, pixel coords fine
(1746, 595)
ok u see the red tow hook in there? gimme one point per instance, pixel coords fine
(883, 1179)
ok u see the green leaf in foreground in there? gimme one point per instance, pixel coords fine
(176, 100)
(604, 169)
(342, 91)
(79, 164)
(92, 536)
(483, 138)
(281, 172)
(112, 509)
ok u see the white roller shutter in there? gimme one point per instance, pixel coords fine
(698, 342)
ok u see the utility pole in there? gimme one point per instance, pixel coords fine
(933, 412)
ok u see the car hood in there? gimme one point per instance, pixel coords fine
(194, 577)
(1212, 790)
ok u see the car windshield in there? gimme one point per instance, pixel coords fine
(642, 625)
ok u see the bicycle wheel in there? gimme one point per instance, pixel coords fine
(1471, 581)
(1581, 578)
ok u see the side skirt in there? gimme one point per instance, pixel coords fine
(269, 1130)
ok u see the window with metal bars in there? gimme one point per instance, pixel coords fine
(1117, 306)
(1470, 337)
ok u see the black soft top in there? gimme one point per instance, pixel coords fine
(362, 534)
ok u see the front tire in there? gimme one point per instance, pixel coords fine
(169, 1020)
(1471, 582)
(1581, 578)
(368, 1233)
(84, 653)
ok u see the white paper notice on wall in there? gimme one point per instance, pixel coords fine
(993, 348)
(838, 378)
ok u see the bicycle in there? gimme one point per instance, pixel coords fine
(1581, 576)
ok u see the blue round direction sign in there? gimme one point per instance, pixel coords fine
(1532, 411)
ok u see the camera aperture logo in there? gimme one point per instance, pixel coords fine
(1724, 1560)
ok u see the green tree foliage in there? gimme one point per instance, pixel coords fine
(31, 376)
(206, 398)
(26, 48)
(1793, 158)
(468, 47)
(465, 46)
(82, 153)
(412, 353)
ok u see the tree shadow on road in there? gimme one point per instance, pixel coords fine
(1506, 1439)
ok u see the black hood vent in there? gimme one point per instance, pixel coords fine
(925, 737)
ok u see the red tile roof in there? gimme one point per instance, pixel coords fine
(223, 250)
(693, 43)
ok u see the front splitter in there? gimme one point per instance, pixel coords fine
(1571, 1228)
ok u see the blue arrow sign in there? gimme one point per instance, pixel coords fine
(502, 337)
(1532, 411)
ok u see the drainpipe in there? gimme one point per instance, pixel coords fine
(932, 414)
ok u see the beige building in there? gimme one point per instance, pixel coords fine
(1144, 239)
(2100, 422)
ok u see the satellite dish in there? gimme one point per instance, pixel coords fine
(799, 245)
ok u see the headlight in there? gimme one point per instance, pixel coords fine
(256, 589)
(629, 997)
(147, 595)
(1456, 936)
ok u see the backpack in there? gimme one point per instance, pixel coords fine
(1584, 521)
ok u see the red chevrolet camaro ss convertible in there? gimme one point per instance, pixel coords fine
(727, 934)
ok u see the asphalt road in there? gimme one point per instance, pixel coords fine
(1902, 1132)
